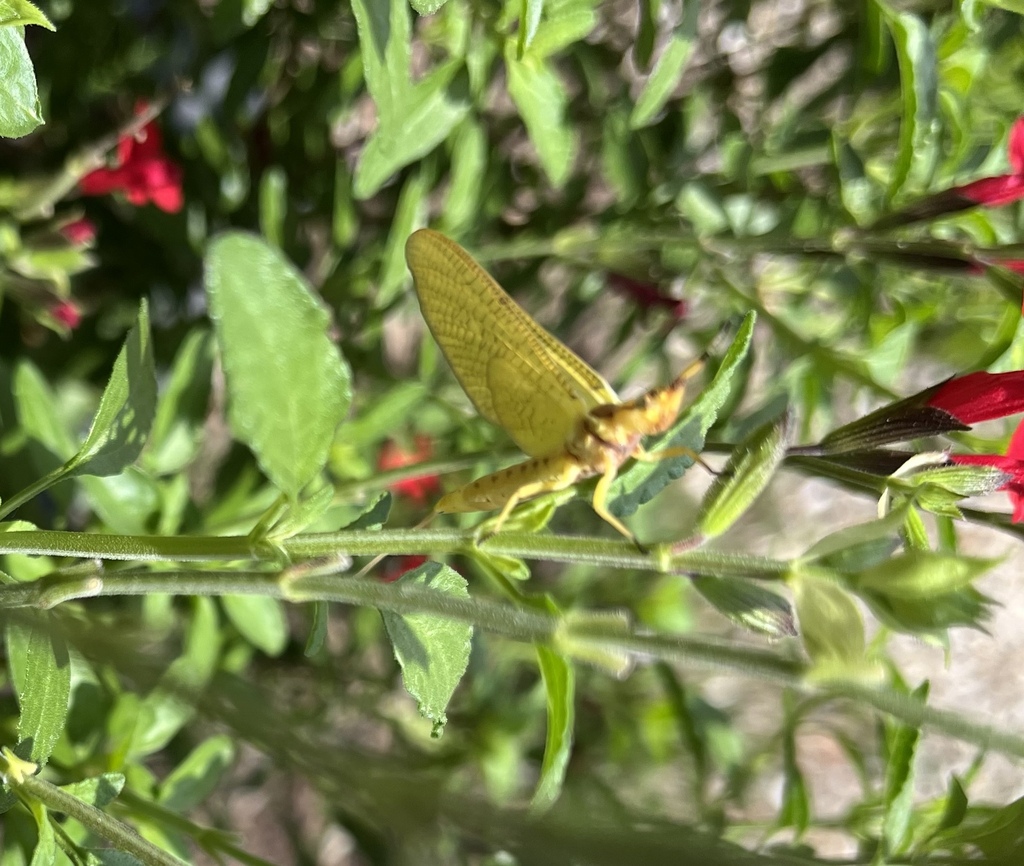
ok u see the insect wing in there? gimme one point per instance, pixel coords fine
(517, 375)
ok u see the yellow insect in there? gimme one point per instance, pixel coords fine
(554, 406)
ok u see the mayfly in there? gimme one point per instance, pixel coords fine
(556, 408)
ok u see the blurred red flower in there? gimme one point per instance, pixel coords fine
(1011, 465)
(144, 173)
(396, 566)
(393, 456)
(80, 232)
(647, 295)
(67, 313)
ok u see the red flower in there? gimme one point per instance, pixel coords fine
(647, 295)
(1011, 465)
(979, 396)
(144, 173)
(67, 313)
(80, 232)
(393, 456)
(397, 566)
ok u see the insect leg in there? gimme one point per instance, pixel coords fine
(599, 503)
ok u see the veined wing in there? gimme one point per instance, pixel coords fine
(517, 375)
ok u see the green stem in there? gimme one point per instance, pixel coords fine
(123, 837)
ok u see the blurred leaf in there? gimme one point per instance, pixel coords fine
(920, 574)
(915, 52)
(565, 22)
(260, 620)
(668, 69)
(796, 804)
(412, 119)
(861, 546)
(196, 777)
(273, 205)
(408, 215)
(468, 166)
(643, 481)
(560, 689)
(427, 7)
(529, 21)
(46, 843)
(20, 111)
(899, 782)
(540, 97)
(98, 790)
(289, 386)
(41, 671)
(433, 652)
(830, 625)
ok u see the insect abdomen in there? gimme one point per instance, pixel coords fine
(540, 475)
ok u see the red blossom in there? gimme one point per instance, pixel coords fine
(80, 232)
(397, 566)
(980, 396)
(144, 173)
(1011, 465)
(67, 313)
(393, 456)
(647, 295)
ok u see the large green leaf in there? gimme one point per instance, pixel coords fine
(41, 671)
(433, 652)
(288, 385)
(20, 111)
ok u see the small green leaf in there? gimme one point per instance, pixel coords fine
(830, 624)
(409, 214)
(899, 782)
(22, 13)
(20, 111)
(529, 21)
(468, 165)
(748, 605)
(750, 468)
(560, 688)
(915, 53)
(667, 71)
(860, 546)
(97, 790)
(41, 671)
(540, 97)
(260, 620)
(125, 414)
(273, 205)
(433, 652)
(195, 778)
(375, 515)
(565, 22)
(289, 386)
(46, 844)
(643, 481)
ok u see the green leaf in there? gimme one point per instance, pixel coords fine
(46, 844)
(412, 119)
(915, 53)
(565, 22)
(289, 387)
(273, 205)
(41, 671)
(529, 21)
(560, 688)
(22, 13)
(20, 111)
(427, 7)
(830, 625)
(125, 414)
(920, 574)
(668, 69)
(97, 790)
(899, 782)
(409, 214)
(260, 620)
(860, 546)
(750, 468)
(181, 410)
(468, 165)
(195, 778)
(748, 605)
(540, 97)
(643, 481)
(433, 652)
